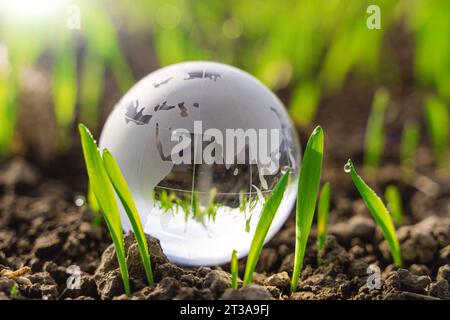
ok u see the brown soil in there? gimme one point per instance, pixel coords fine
(41, 228)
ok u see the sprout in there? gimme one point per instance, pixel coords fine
(375, 136)
(104, 192)
(8, 113)
(322, 216)
(268, 213)
(378, 211)
(14, 290)
(308, 187)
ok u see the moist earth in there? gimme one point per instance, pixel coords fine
(48, 244)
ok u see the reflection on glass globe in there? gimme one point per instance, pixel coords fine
(201, 146)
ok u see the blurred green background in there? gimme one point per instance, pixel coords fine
(53, 76)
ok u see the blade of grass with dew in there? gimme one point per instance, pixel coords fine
(378, 211)
(323, 210)
(269, 210)
(234, 270)
(438, 123)
(122, 190)
(375, 136)
(394, 203)
(308, 188)
(104, 192)
(408, 149)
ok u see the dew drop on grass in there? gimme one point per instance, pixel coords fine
(209, 202)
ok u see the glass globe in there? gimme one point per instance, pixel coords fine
(202, 145)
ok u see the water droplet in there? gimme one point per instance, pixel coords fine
(236, 171)
(348, 166)
(285, 169)
(80, 201)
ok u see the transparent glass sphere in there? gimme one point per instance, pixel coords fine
(202, 145)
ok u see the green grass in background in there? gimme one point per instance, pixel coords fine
(104, 192)
(123, 192)
(323, 210)
(378, 211)
(285, 44)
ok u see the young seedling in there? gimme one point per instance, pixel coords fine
(104, 192)
(120, 186)
(8, 113)
(322, 216)
(269, 210)
(234, 270)
(408, 149)
(375, 136)
(308, 188)
(14, 290)
(378, 211)
(438, 123)
(122, 190)
(394, 203)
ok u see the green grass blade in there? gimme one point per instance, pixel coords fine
(122, 190)
(268, 213)
(308, 188)
(322, 215)
(375, 136)
(438, 123)
(394, 203)
(234, 269)
(408, 149)
(104, 192)
(378, 211)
